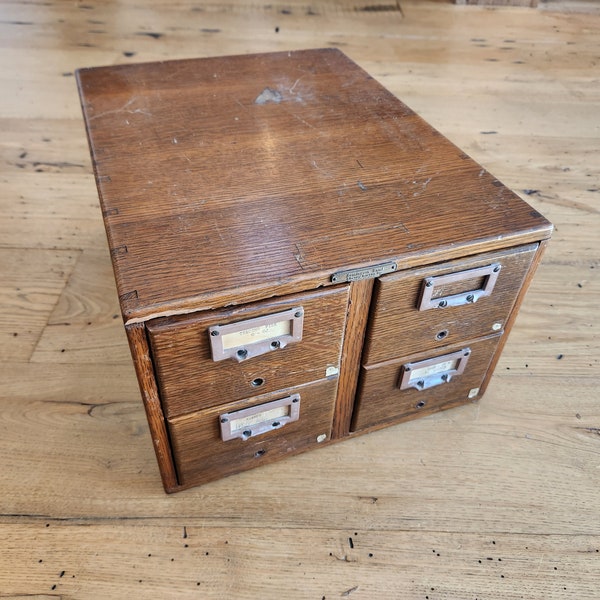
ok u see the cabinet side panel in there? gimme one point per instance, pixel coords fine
(515, 311)
(138, 344)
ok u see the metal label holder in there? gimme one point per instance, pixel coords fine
(430, 372)
(489, 273)
(253, 337)
(256, 420)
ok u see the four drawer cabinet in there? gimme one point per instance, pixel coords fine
(299, 257)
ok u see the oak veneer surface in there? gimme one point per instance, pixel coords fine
(201, 454)
(379, 384)
(191, 380)
(396, 328)
(253, 172)
(393, 514)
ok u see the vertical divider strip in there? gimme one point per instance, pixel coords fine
(356, 325)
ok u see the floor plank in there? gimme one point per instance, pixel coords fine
(86, 324)
(32, 281)
(173, 561)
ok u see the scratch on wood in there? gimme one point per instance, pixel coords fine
(153, 34)
(369, 230)
(124, 108)
(16, 22)
(303, 121)
(343, 558)
(325, 173)
(592, 430)
(295, 84)
(218, 230)
(58, 165)
(240, 104)
(350, 591)
(299, 256)
(379, 8)
(370, 499)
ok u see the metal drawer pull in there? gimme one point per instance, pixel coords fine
(486, 277)
(430, 372)
(253, 337)
(250, 422)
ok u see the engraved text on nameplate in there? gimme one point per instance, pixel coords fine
(364, 273)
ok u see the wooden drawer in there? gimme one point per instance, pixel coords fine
(403, 322)
(201, 454)
(189, 379)
(380, 399)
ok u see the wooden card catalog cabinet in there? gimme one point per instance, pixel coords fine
(299, 257)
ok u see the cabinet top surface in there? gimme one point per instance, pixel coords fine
(254, 174)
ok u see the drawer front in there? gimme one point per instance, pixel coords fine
(261, 348)
(205, 448)
(421, 384)
(476, 296)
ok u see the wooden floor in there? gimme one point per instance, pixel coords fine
(496, 500)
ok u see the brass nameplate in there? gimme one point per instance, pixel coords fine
(364, 273)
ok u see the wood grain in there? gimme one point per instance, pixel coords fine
(205, 163)
(32, 281)
(140, 352)
(356, 325)
(518, 468)
(380, 399)
(397, 300)
(339, 564)
(85, 324)
(201, 455)
(530, 3)
(190, 379)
